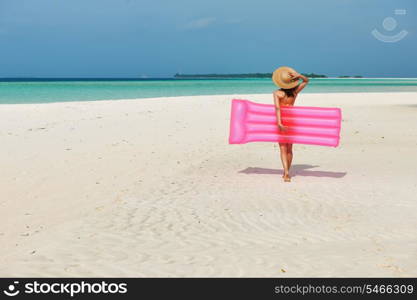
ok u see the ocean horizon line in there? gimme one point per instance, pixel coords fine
(20, 79)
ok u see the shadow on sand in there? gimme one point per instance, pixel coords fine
(296, 170)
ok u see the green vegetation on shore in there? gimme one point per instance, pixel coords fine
(244, 75)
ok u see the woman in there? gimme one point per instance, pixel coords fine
(289, 82)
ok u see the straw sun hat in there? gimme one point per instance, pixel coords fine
(281, 77)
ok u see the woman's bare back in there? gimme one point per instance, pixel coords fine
(285, 100)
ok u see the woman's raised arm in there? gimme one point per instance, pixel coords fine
(302, 84)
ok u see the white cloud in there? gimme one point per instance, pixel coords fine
(199, 23)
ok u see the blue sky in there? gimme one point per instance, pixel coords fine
(157, 38)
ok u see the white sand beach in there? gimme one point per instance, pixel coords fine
(151, 187)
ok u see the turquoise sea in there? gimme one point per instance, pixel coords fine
(62, 90)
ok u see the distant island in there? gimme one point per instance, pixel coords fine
(356, 76)
(244, 75)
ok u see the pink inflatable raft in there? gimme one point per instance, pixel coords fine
(255, 122)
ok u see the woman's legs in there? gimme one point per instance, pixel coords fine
(283, 147)
(289, 155)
